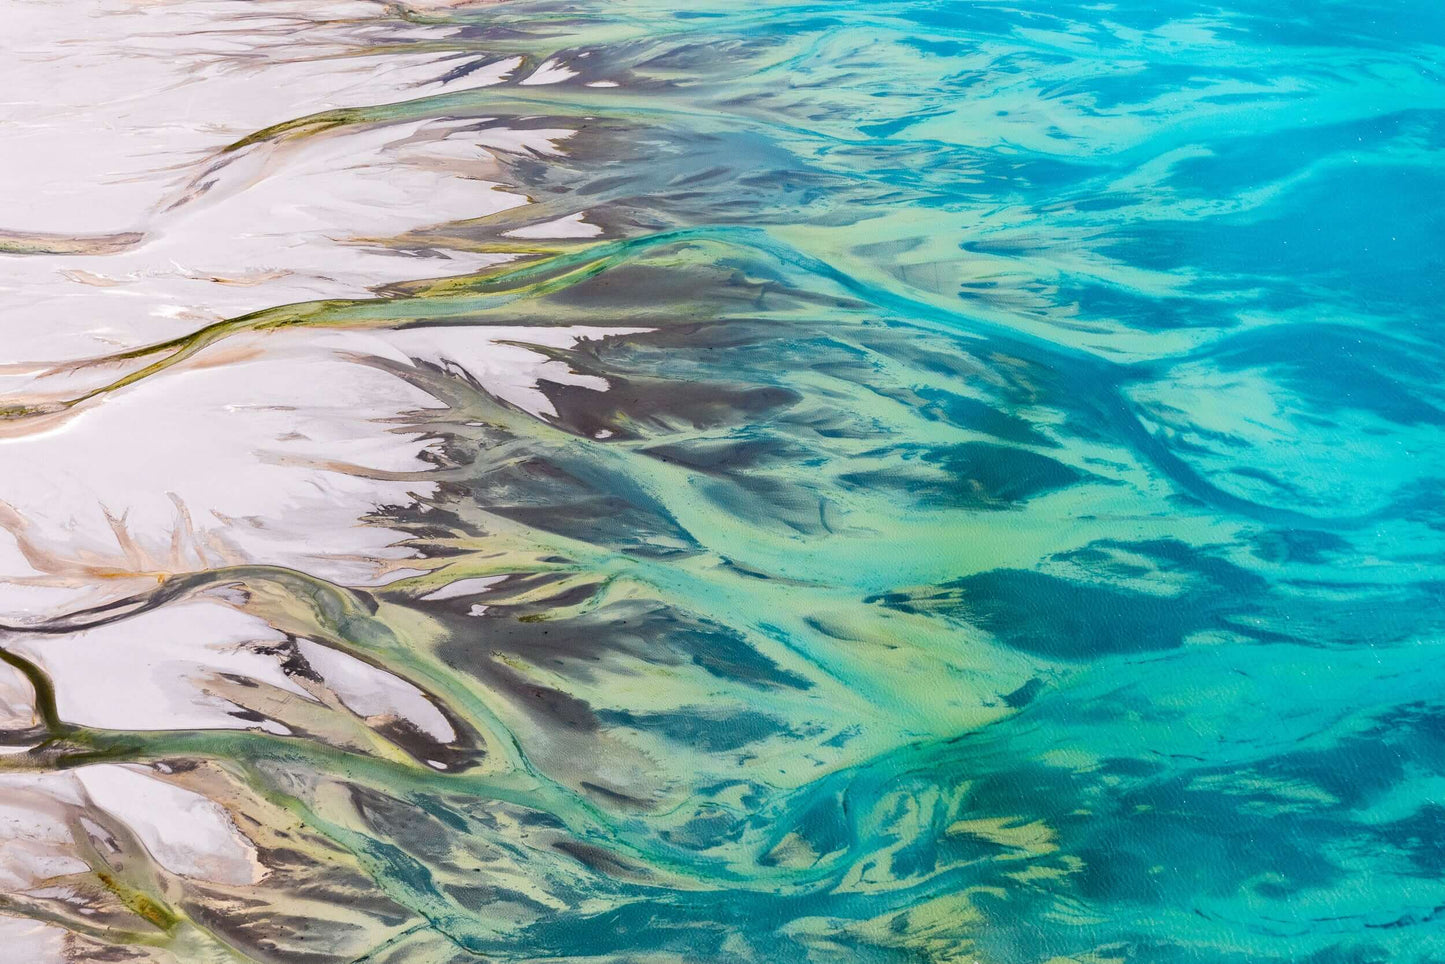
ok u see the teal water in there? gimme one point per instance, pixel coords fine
(1011, 531)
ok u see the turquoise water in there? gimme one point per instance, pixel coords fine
(1011, 531)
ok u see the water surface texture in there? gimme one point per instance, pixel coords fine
(723, 481)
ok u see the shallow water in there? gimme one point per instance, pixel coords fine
(727, 482)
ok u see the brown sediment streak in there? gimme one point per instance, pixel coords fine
(509, 281)
(24, 242)
(461, 298)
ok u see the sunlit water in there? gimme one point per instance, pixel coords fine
(722, 481)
